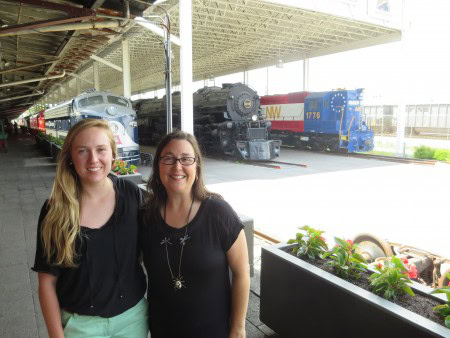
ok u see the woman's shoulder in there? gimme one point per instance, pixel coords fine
(218, 206)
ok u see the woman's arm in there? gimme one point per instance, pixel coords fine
(237, 257)
(50, 304)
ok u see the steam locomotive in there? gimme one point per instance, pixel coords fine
(227, 120)
(331, 120)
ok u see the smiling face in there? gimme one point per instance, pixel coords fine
(176, 178)
(92, 155)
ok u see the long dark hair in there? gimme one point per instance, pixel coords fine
(156, 190)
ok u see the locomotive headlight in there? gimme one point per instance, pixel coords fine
(254, 117)
(132, 124)
(111, 110)
(229, 125)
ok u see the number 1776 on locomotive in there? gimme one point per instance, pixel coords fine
(331, 120)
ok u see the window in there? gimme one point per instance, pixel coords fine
(118, 100)
(313, 105)
(90, 101)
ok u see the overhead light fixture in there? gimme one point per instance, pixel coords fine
(280, 63)
(157, 2)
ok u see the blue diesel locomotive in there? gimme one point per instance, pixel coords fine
(331, 120)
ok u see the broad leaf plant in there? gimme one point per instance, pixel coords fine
(444, 309)
(391, 279)
(345, 261)
(310, 243)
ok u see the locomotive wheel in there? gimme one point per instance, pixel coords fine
(372, 247)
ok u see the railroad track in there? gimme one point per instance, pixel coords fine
(264, 164)
(384, 158)
(394, 159)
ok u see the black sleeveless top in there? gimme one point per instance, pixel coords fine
(202, 307)
(109, 279)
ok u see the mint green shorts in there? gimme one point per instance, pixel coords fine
(133, 323)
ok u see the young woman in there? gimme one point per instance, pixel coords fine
(91, 283)
(190, 239)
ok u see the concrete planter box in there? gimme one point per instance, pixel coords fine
(136, 178)
(301, 300)
(46, 147)
(38, 140)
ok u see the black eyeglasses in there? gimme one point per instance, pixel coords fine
(170, 160)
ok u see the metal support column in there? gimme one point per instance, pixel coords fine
(126, 69)
(187, 112)
(96, 76)
(168, 74)
(400, 141)
(78, 82)
(305, 74)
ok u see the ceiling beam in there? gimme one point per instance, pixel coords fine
(26, 67)
(71, 10)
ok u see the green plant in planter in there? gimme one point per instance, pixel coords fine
(345, 261)
(58, 141)
(120, 167)
(50, 138)
(444, 309)
(310, 243)
(391, 280)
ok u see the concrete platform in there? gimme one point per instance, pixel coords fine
(26, 179)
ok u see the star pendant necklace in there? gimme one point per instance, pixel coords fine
(178, 282)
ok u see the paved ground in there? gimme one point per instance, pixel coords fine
(344, 196)
(26, 179)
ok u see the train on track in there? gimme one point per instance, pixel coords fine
(227, 120)
(331, 120)
(117, 110)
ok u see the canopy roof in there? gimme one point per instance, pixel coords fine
(47, 41)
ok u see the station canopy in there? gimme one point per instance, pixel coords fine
(45, 45)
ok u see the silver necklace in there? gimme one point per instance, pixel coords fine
(178, 282)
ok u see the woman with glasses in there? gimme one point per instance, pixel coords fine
(191, 238)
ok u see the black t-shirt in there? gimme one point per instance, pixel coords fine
(109, 279)
(202, 307)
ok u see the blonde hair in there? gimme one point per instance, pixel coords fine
(61, 225)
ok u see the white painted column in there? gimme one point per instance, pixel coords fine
(305, 74)
(78, 82)
(96, 76)
(126, 69)
(400, 141)
(67, 91)
(187, 112)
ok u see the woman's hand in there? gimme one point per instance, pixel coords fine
(238, 333)
(50, 304)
